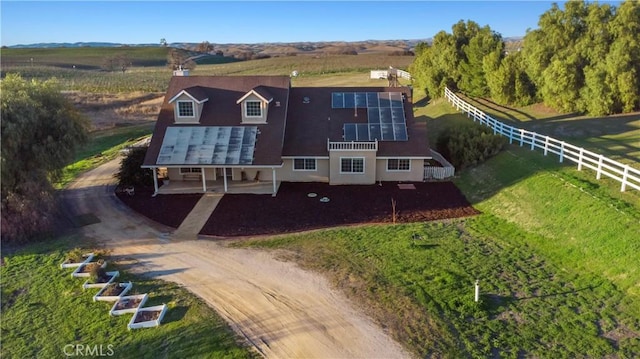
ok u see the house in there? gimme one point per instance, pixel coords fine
(232, 132)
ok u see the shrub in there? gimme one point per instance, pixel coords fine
(97, 273)
(76, 255)
(131, 174)
(469, 145)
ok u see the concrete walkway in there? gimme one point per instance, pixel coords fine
(197, 218)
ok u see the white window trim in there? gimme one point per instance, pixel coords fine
(193, 108)
(398, 170)
(246, 109)
(191, 170)
(364, 169)
(315, 164)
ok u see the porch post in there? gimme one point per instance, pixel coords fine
(273, 176)
(204, 180)
(155, 179)
(224, 175)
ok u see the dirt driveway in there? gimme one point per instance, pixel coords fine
(282, 310)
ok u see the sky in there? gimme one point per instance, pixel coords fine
(135, 22)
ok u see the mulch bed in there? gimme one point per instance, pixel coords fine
(146, 316)
(292, 210)
(169, 210)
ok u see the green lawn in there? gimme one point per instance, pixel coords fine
(44, 309)
(103, 146)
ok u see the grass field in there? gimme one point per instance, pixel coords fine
(103, 146)
(44, 309)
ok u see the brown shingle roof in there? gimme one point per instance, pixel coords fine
(222, 110)
(309, 125)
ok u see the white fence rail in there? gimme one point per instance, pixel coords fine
(625, 174)
(436, 172)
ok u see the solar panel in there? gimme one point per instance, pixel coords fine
(385, 115)
(208, 145)
(337, 100)
(372, 100)
(350, 133)
(363, 131)
(400, 132)
(361, 99)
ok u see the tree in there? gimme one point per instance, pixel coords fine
(484, 49)
(40, 132)
(179, 59)
(121, 62)
(163, 42)
(131, 173)
(204, 47)
(623, 59)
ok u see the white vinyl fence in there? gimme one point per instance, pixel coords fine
(625, 174)
(436, 172)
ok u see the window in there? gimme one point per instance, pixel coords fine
(398, 164)
(185, 109)
(188, 170)
(352, 165)
(304, 164)
(253, 109)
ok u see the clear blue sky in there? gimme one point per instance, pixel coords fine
(26, 22)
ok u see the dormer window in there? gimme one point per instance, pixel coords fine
(185, 109)
(253, 108)
(255, 105)
(188, 104)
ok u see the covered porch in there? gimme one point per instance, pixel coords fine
(218, 186)
(215, 179)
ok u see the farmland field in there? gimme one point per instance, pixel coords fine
(149, 73)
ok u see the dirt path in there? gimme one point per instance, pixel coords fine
(283, 311)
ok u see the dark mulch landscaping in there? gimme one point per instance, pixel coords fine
(292, 210)
(169, 210)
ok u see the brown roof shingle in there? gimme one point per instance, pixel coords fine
(309, 125)
(222, 110)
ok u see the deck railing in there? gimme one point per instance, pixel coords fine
(623, 173)
(352, 146)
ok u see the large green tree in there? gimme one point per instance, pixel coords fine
(40, 132)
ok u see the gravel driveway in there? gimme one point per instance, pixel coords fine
(280, 309)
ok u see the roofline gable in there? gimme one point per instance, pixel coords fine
(254, 92)
(185, 92)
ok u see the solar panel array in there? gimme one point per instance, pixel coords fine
(208, 145)
(385, 115)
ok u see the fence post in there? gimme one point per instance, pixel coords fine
(625, 174)
(533, 140)
(546, 145)
(521, 137)
(599, 171)
(580, 159)
(511, 135)
(561, 151)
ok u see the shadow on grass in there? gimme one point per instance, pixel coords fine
(175, 314)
